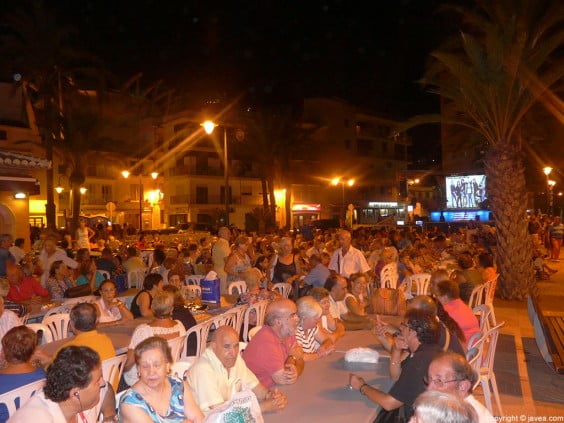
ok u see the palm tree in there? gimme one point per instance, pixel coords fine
(489, 76)
(38, 49)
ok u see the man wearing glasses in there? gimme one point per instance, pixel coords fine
(419, 335)
(451, 373)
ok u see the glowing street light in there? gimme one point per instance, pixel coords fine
(59, 189)
(83, 190)
(350, 183)
(209, 127)
(547, 170)
(154, 175)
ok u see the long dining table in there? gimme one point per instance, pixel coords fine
(321, 393)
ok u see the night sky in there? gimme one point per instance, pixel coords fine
(368, 52)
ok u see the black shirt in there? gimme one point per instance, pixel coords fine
(410, 383)
(135, 310)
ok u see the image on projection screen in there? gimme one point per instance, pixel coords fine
(465, 191)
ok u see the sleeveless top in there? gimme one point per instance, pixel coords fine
(135, 310)
(284, 271)
(82, 240)
(107, 314)
(175, 412)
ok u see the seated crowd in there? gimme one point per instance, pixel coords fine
(333, 278)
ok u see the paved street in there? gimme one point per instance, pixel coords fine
(528, 386)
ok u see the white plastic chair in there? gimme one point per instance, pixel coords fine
(419, 283)
(478, 296)
(283, 288)
(237, 287)
(112, 369)
(105, 274)
(242, 346)
(176, 346)
(259, 308)
(201, 330)
(64, 308)
(135, 278)
(389, 276)
(254, 331)
(46, 335)
(490, 292)
(238, 313)
(15, 398)
(224, 319)
(486, 317)
(58, 324)
(194, 279)
(482, 361)
(180, 367)
(70, 302)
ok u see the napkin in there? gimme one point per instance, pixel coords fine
(211, 276)
(362, 355)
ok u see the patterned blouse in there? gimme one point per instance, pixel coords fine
(175, 411)
(57, 288)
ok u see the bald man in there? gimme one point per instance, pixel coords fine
(273, 354)
(451, 373)
(221, 368)
(347, 260)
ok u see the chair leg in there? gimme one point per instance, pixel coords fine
(487, 393)
(496, 394)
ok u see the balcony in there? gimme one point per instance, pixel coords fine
(194, 171)
(215, 199)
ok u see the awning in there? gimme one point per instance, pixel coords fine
(19, 184)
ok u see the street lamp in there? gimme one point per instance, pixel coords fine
(551, 184)
(209, 127)
(546, 170)
(350, 183)
(154, 175)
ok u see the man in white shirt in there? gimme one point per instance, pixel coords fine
(17, 249)
(450, 372)
(221, 370)
(50, 254)
(347, 259)
(220, 252)
(337, 287)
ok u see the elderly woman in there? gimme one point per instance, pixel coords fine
(334, 327)
(162, 325)
(435, 406)
(285, 266)
(59, 281)
(18, 345)
(238, 261)
(110, 309)
(156, 396)
(314, 341)
(255, 292)
(357, 301)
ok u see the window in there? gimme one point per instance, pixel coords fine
(107, 193)
(177, 219)
(348, 144)
(246, 190)
(364, 146)
(202, 195)
(384, 147)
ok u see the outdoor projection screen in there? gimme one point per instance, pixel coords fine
(465, 192)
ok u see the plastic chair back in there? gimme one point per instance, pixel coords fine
(224, 319)
(176, 345)
(180, 367)
(105, 274)
(193, 290)
(201, 330)
(112, 369)
(239, 313)
(194, 279)
(135, 278)
(259, 308)
(254, 331)
(486, 317)
(283, 289)
(58, 324)
(42, 331)
(478, 296)
(15, 398)
(237, 287)
(389, 276)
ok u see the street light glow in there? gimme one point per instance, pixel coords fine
(209, 126)
(350, 182)
(335, 181)
(59, 189)
(83, 190)
(547, 170)
(154, 175)
(551, 183)
(125, 173)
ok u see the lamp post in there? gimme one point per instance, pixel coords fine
(154, 175)
(551, 184)
(209, 127)
(350, 183)
(59, 189)
(546, 170)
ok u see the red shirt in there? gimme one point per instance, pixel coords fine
(26, 289)
(463, 315)
(267, 353)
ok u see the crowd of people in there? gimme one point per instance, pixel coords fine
(333, 276)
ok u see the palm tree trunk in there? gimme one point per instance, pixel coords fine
(507, 194)
(288, 205)
(272, 200)
(264, 194)
(50, 209)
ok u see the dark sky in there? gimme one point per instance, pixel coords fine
(368, 52)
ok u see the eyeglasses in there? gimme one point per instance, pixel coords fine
(438, 382)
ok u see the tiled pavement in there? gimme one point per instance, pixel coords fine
(530, 389)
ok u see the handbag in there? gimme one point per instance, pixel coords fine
(78, 291)
(388, 301)
(243, 407)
